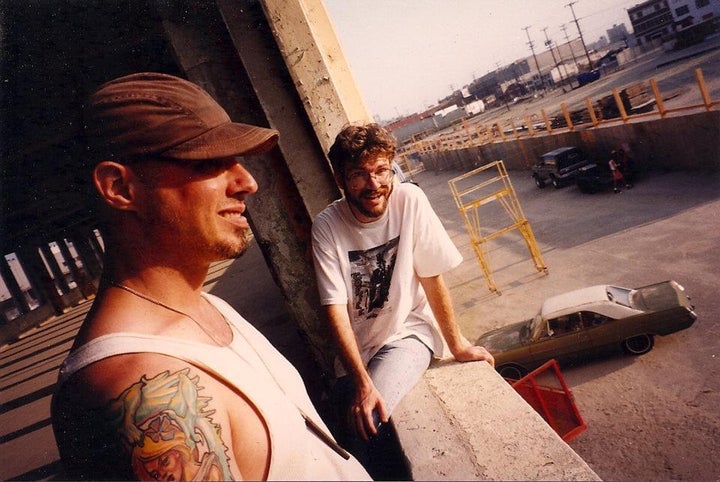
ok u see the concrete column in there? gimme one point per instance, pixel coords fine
(54, 267)
(12, 286)
(227, 48)
(317, 65)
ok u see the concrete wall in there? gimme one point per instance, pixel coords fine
(688, 142)
(462, 421)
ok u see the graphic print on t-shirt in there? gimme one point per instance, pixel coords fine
(371, 271)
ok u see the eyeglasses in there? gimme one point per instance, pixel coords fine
(359, 179)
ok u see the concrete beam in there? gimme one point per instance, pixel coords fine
(464, 422)
(227, 49)
(317, 65)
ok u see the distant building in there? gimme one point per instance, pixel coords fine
(690, 13)
(652, 20)
(618, 33)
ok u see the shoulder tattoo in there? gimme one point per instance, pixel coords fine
(168, 430)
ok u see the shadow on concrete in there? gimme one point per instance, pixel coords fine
(29, 366)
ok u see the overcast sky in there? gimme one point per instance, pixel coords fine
(408, 54)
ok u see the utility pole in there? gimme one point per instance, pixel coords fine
(577, 24)
(532, 49)
(548, 44)
(563, 27)
(499, 84)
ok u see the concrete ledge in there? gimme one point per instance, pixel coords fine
(463, 422)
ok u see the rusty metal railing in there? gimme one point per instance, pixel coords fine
(636, 101)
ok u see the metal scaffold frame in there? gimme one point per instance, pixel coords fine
(469, 200)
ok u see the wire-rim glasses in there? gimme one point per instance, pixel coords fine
(359, 179)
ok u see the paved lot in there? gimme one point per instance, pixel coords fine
(654, 417)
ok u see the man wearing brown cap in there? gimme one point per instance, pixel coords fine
(164, 381)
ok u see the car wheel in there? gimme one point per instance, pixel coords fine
(513, 372)
(539, 182)
(638, 345)
(555, 182)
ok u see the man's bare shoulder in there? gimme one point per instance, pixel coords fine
(151, 416)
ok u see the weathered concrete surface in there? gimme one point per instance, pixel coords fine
(463, 422)
(652, 417)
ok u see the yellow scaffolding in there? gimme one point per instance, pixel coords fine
(480, 187)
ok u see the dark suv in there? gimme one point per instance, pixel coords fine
(594, 178)
(559, 167)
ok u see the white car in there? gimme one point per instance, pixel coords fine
(588, 320)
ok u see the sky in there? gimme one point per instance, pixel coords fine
(405, 55)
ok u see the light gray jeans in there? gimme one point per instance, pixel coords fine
(394, 370)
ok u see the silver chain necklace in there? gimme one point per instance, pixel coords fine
(167, 307)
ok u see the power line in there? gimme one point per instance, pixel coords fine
(563, 27)
(548, 44)
(532, 49)
(582, 40)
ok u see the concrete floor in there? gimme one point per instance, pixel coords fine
(652, 417)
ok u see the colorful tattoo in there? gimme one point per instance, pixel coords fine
(168, 430)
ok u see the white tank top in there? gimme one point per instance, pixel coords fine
(251, 365)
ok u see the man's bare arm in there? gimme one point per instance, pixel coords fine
(440, 301)
(367, 398)
(173, 424)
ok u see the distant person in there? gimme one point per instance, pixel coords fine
(383, 244)
(617, 175)
(164, 381)
(626, 164)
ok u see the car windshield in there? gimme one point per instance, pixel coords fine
(620, 295)
(660, 296)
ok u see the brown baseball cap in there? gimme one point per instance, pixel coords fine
(153, 114)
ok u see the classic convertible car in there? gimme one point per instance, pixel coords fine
(586, 321)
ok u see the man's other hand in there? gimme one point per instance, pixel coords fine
(469, 352)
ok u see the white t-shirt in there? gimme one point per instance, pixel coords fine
(373, 268)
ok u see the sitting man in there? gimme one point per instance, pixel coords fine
(165, 381)
(379, 255)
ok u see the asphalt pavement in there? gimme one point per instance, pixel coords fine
(652, 417)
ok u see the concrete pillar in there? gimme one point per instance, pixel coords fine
(54, 267)
(227, 48)
(317, 65)
(12, 286)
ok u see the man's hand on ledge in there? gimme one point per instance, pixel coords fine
(467, 352)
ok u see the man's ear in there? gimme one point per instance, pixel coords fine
(339, 180)
(114, 182)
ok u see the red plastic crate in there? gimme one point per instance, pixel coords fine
(545, 390)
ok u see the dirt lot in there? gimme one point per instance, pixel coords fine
(653, 417)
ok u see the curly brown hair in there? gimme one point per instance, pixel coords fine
(355, 144)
